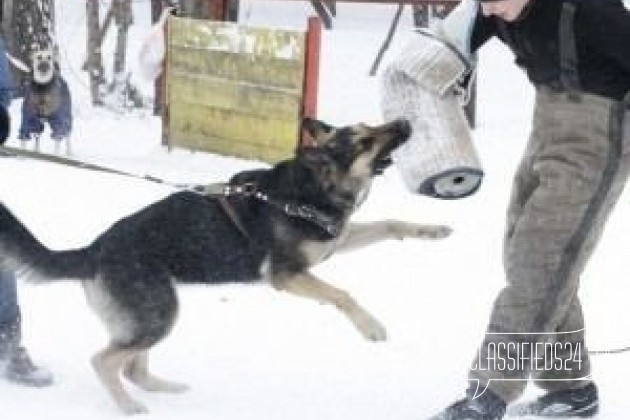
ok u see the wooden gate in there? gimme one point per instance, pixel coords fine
(239, 90)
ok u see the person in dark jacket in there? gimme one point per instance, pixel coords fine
(15, 363)
(577, 55)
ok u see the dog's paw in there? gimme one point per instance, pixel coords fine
(370, 328)
(377, 333)
(132, 407)
(435, 232)
(177, 388)
(402, 230)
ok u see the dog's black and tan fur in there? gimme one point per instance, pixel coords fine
(129, 272)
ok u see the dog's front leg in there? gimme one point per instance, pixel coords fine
(305, 284)
(363, 234)
(108, 364)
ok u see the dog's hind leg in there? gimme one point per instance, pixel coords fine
(136, 370)
(305, 284)
(363, 234)
(109, 364)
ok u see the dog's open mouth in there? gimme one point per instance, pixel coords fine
(381, 163)
(383, 159)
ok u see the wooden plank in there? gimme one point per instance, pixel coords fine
(432, 2)
(241, 39)
(233, 89)
(234, 66)
(199, 90)
(256, 55)
(236, 126)
(229, 133)
(239, 149)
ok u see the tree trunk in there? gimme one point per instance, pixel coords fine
(7, 11)
(94, 63)
(28, 24)
(124, 19)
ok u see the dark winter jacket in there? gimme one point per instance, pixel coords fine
(46, 103)
(6, 94)
(602, 40)
(6, 79)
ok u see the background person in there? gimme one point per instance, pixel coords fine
(577, 55)
(15, 363)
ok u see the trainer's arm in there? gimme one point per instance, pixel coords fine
(483, 29)
(608, 27)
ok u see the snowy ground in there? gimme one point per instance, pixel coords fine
(251, 353)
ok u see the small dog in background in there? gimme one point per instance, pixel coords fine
(46, 100)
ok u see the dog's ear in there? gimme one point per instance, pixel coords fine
(319, 131)
(314, 157)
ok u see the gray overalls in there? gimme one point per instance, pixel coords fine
(573, 171)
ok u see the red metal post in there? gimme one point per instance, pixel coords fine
(217, 9)
(311, 71)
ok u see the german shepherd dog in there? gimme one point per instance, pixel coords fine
(293, 216)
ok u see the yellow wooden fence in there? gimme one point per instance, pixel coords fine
(233, 89)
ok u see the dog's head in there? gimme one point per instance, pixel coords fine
(42, 64)
(347, 158)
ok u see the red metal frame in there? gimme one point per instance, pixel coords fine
(311, 79)
(217, 9)
(311, 70)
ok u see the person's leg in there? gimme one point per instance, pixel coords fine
(9, 314)
(563, 376)
(567, 392)
(17, 364)
(579, 172)
(567, 364)
(561, 200)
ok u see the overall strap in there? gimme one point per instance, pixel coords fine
(505, 34)
(620, 121)
(569, 76)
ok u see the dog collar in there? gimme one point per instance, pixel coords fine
(330, 224)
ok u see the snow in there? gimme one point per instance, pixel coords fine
(249, 352)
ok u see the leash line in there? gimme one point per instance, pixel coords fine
(612, 351)
(12, 152)
(221, 191)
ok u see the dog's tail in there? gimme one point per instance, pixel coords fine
(20, 250)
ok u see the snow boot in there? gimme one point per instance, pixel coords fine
(21, 370)
(15, 363)
(581, 402)
(488, 406)
(9, 336)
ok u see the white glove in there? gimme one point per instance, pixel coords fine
(151, 55)
(457, 27)
(440, 57)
